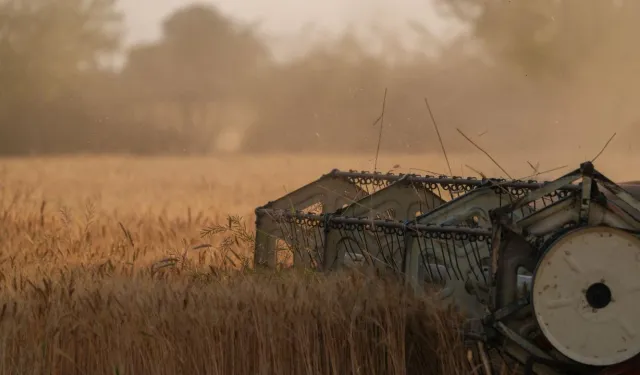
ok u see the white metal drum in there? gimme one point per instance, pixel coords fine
(586, 295)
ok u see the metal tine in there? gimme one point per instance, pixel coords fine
(300, 242)
(426, 261)
(396, 195)
(476, 204)
(350, 242)
(462, 259)
(435, 242)
(436, 258)
(318, 239)
(374, 227)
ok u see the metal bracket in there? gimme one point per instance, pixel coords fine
(585, 201)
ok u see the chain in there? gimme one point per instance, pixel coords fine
(388, 227)
(455, 184)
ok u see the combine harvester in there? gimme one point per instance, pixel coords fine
(546, 272)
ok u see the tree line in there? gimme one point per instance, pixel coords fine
(211, 83)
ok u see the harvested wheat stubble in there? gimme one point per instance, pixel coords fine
(284, 323)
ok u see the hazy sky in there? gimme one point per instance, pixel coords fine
(282, 20)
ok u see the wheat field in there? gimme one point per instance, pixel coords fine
(103, 270)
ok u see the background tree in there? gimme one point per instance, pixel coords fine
(202, 59)
(48, 52)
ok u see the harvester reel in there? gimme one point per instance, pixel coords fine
(553, 279)
(586, 295)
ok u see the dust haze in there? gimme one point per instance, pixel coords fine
(516, 77)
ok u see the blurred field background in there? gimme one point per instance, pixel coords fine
(115, 158)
